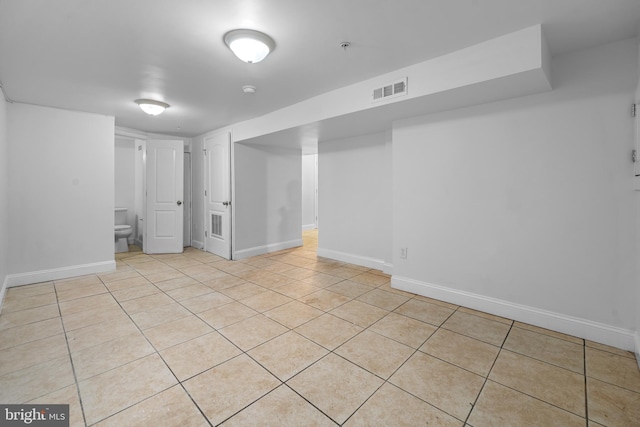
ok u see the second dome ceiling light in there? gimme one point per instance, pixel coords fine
(249, 45)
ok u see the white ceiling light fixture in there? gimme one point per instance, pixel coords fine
(152, 107)
(249, 45)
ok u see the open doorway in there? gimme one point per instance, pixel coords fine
(173, 184)
(309, 192)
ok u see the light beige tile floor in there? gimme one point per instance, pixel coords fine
(291, 339)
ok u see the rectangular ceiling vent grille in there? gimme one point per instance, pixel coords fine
(391, 90)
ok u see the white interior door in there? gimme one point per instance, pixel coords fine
(217, 205)
(164, 196)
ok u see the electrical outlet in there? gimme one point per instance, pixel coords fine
(403, 253)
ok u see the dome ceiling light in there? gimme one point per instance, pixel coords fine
(151, 106)
(249, 45)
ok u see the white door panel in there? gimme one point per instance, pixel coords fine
(164, 196)
(218, 195)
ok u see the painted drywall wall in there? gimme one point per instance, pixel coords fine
(515, 63)
(268, 199)
(197, 191)
(527, 201)
(4, 198)
(138, 191)
(637, 196)
(61, 190)
(309, 191)
(354, 194)
(125, 179)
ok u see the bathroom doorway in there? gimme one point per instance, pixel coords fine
(131, 182)
(125, 179)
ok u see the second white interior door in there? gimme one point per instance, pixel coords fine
(217, 158)
(164, 197)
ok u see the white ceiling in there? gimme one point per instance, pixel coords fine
(101, 55)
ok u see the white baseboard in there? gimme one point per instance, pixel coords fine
(261, 250)
(308, 227)
(363, 261)
(582, 328)
(59, 273)
(387, 268)
(196, 244)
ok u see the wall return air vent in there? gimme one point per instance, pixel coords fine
(391, 90)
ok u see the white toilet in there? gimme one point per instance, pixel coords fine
(122, 230)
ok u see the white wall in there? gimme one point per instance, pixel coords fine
(354, 197)
(525, 207)
(140, 147)
(61, 190)
(268, 199)
(309, 191)
(637, 186)
(125, 179)
(4, 197)
(515, 63)
(197, 191)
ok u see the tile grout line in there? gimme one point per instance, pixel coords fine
(180, 383)
(242, 353)
(73, 368)
(309, 402)
(522, 392)
(486, 379)
(586, 389)
(512, 325)
(386, 381)
(331, 351)
(246, 353)
(309, 366)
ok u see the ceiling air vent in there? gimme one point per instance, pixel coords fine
(391, 90)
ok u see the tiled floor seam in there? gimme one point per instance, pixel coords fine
(294, 262)
(308, 401)
(539, 399)
(365, 401)
(155, 350)
(245, 407)
(73, 368)
(330, 352)
(613, 384)
(586, 390)
(301, 371)
(194, 402)
(486, 378)
(385, 380)
(180, 383)
(311, 403)
(520, 391)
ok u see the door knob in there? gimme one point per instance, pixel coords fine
(179, 202)
(226, 203)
